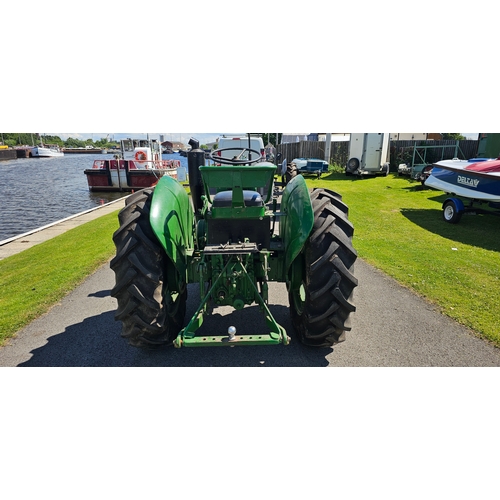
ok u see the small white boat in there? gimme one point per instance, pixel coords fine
(45, 151)
(476, 179)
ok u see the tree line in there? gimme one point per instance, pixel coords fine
(32, 139)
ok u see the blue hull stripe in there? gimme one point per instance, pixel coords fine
(466, 179)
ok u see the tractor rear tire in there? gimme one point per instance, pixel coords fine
(150, 314)
(321, 308)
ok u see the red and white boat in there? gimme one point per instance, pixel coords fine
(476, 180)
(139, 166)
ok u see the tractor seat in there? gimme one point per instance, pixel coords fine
(250, 198)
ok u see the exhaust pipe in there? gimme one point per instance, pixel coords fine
(196, 159)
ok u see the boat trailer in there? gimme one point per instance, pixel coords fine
(454, 208)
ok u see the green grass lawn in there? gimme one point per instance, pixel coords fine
(398, 229)
(37, 278)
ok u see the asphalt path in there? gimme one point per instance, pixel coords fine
(392, 327)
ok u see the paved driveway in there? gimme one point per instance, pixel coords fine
(392, 327)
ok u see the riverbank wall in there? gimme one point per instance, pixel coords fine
(8, 154)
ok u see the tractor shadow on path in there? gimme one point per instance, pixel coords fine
(96, 342)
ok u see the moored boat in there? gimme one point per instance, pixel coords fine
(477, 179)
(46, 151)
(139, 166)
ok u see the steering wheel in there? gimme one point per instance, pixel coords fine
(237, 159)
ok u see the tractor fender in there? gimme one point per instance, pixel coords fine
(298, 220)
(171, 219)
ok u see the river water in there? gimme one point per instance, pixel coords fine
(38, 191)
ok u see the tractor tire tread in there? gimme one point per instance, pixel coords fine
(140, 266)
(329, 281)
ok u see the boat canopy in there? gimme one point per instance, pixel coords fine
(485, 167)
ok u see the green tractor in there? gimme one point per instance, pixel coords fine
(236, 234)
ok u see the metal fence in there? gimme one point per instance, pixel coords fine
(315, 149)
(400, 151)
(426, 152)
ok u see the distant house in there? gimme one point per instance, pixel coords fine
(335, 137)
(292, 137)
(346, 137)
(173, 145)
(412, 136)
(434, 137)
